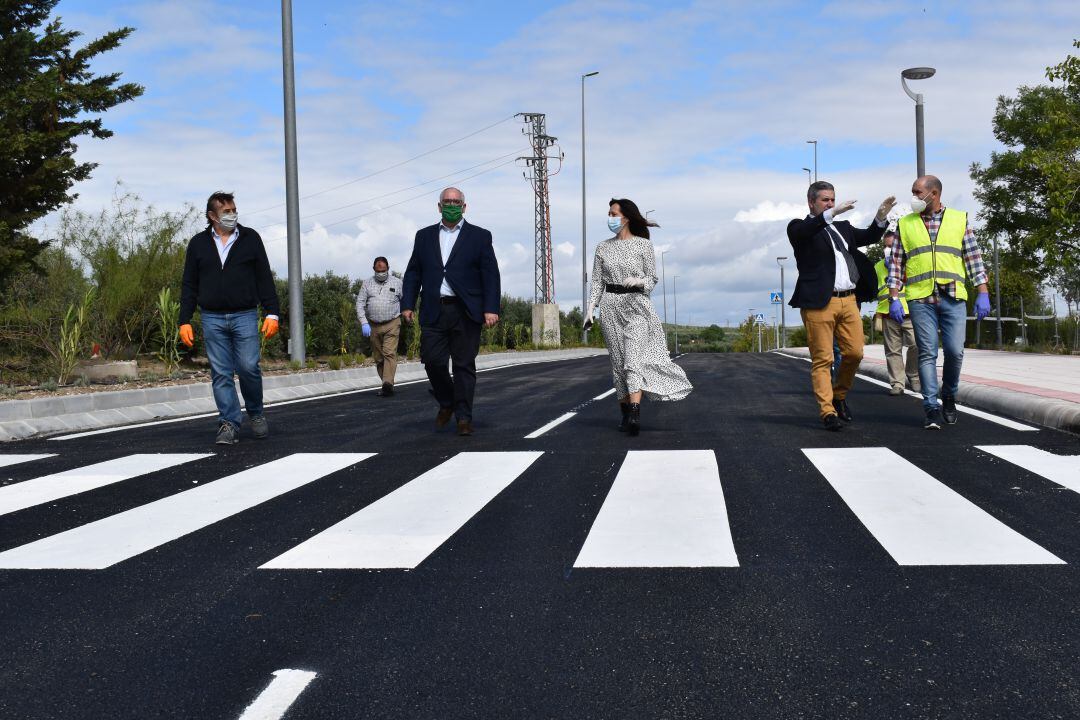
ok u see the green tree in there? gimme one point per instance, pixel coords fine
(48, 96)
(1030, 193)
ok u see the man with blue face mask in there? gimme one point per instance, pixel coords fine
(378, 307)
(937, 249)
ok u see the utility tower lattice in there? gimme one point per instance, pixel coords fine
(537, 174)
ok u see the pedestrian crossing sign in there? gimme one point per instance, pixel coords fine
(776, 298)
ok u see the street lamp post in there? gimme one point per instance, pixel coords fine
(663, 280)
(783, 324)
(808, 180)
(297, 351)
(675, 297)
(917, 73)
(814, 143)
(584, 272)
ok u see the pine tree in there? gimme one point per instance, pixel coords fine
(47, 97)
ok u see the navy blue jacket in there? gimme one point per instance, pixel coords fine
(245, 282)
(471, 271)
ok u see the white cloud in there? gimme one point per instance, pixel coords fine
(768, 211)
(565, 248)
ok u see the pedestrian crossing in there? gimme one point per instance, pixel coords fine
(664, 509)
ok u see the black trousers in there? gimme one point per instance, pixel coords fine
(453, 339)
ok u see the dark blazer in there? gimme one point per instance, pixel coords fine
(471, 271)
(817, 263)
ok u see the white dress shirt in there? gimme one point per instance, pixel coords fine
(447, 238)
(224, 248)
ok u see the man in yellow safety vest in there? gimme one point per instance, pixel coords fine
(937, 249)
(895, 336)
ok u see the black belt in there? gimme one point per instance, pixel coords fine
(448, 299)
(622, 289)
(843, 293)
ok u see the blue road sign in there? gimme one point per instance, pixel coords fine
(776, 298)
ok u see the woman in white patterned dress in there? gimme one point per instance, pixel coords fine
(624, 273)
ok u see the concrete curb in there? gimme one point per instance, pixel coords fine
(1048, 412)
(20, 419)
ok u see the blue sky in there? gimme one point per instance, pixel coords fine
(700, 113)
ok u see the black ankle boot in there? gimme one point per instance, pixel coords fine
(634, 423)
(625, 422)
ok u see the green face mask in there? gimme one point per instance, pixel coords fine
(452, 213)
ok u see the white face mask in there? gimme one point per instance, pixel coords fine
(614, 224)
(917, 204)
(381, 276)
(227, 220)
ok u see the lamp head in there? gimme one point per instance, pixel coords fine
(918, 73)
(594, 72)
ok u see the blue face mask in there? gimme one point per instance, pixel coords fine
(614, 224)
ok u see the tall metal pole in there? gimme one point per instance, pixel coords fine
(584, 272)
(918, 73)
(675, 298)
(814, 143)
(297, 351)
(663, 278)
(997, 292)
(783, 297)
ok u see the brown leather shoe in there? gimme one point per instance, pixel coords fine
(464, 427)
(444, 417)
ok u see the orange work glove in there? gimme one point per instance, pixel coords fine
(269, 328)
(187, 335)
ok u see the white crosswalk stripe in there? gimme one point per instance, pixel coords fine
(1061, 469)
(79, 480)
(665, 509)
(404, 527)
(918, 520)
(6, 460)
(118, 537)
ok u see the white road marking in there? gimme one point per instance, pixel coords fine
(918, 520)
(601, 396)
(274, 701)
(557, 421)
(402, 528)
(666, 509)
(110, 540)
(6, 460)
(1061, 469)
(79, 480)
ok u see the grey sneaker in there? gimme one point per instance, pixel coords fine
(934, 421)
(227, 434)
(260, 427)
(896, 390)
(948, 410)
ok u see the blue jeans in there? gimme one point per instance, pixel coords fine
(950, 317)
(232, 346)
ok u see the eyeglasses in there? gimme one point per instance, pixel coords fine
(451, 201)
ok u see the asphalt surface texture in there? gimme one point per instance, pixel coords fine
(816, 621)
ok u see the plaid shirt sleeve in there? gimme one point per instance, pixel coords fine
(897, 265)
(361, 304)
(973, 261)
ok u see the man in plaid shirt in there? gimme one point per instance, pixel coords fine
(932, 265)
(378, 306)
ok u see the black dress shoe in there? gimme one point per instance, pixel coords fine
(464, 427)
(624, 424)
(444, 417)
(633, 426)
(386, 391)
(842, 410)
(948, 410)
(831, 423)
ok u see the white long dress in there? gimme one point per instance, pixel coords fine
(633, 333)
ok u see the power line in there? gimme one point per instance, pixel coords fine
(391, 167)
(406, 200)
(412, 187)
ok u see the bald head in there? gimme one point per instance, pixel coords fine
(928, 188)
(928, 182)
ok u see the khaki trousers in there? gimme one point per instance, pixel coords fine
(384, 345)
(895, 337)
(839, 319)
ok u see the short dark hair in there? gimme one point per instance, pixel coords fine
(219, 197)
(639, 226)
(380, 259)
(817, 187)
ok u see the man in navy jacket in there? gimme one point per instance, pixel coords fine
(454, 273)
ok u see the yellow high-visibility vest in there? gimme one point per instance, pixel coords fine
(883, 291)
(940, 262)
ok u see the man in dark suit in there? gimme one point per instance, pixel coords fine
(454, 272)
(834, 277)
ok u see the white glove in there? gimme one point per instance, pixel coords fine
(634, 282)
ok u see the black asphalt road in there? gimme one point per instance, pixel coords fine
(817, 622)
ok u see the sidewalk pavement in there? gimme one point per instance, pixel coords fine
(1042, 389)
(21, 419)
